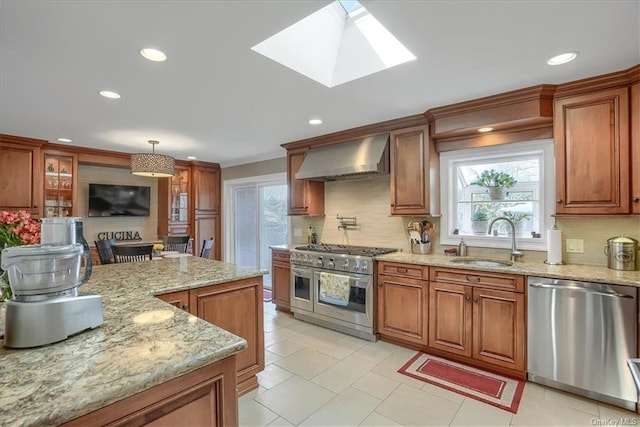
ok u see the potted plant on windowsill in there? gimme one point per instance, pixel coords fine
(495, 182)
(517, 218)
(479, 219)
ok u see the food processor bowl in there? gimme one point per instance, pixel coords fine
(42, 269)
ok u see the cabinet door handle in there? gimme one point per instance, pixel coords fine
(559, 201)
(635, 199)
(474, 279)
(475, 299)
(467, 298)
(402, 270)
(185, 307)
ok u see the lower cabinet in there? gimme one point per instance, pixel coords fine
(178, 299)
(402, 303)
(281, 279)
(236, 307)
(206, 396)
(475, 321)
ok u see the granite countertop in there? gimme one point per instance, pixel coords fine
(588, 273)
(142, 343)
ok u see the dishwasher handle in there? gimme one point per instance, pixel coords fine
(611, 294)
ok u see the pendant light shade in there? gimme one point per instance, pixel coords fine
(152, 164)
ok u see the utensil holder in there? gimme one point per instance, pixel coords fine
(421, 248)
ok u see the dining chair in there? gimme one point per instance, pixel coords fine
(176, 243)
(207, 245)
(132, 253)
(104, 250)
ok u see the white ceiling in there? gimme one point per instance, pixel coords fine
(216, 99)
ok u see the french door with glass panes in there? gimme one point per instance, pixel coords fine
(259, 221)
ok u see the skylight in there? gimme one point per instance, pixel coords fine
(350, 5)
(337, 44)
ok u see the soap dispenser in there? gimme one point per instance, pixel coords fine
(462, 248)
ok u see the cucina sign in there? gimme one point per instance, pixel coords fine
(119, 235)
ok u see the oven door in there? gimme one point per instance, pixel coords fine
(301, 287)
(357, 308)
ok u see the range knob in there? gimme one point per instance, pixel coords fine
(365, 267)
(345, 266)
(356, 266)
(319, 262)
(331, 264)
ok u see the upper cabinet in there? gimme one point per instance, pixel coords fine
(305, 197)
(60, 183)
(596, 138)
(20, 174)
(635, 148)
(174, 197)
(206, 189)
(414, 177)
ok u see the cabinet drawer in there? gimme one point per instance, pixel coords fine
(178, 229)
(281, 256)
(478, 278)
(404, 270)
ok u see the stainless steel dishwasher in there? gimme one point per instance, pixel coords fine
(580, 337)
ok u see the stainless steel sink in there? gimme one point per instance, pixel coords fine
(482, 262)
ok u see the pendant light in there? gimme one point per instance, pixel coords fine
(152, 164)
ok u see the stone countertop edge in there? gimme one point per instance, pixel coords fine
(142, 343)
(579, 272)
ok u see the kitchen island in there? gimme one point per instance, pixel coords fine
(143, 344)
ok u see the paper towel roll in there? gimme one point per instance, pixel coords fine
(554, 246)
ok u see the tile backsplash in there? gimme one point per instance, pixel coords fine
(368, 200)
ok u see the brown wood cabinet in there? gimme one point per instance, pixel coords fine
(402, 303)
(60, 171)
(592, 149)
(178, 299)
(206, 189)
(281, 279)
(206, 396)
(174, 199)
(414, 171)
(189, 204)
(236, 307)
(479, 316)
(635, 148)
(21, 174)
(305, 197)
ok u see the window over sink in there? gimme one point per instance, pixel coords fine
(515, 181)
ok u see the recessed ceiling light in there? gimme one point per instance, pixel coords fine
(191, 157)
(315, 122)
(153, 54)
(563, 58)
(63, 140)
(487, 129)
(109, 94)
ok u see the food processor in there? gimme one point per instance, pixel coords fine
(46, 306)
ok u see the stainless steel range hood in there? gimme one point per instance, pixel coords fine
(347, 160)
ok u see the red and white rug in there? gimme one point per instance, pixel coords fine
(487, 387)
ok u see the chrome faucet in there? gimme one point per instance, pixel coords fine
(515, 254)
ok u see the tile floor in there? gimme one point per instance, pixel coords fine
(317, 377)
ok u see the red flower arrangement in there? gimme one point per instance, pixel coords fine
(18, 228)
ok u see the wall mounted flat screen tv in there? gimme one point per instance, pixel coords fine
(118, 200)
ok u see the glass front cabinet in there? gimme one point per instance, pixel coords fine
(60, 182)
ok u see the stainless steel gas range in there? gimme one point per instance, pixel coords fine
(332, 286)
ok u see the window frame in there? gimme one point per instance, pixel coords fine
(449, 161)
